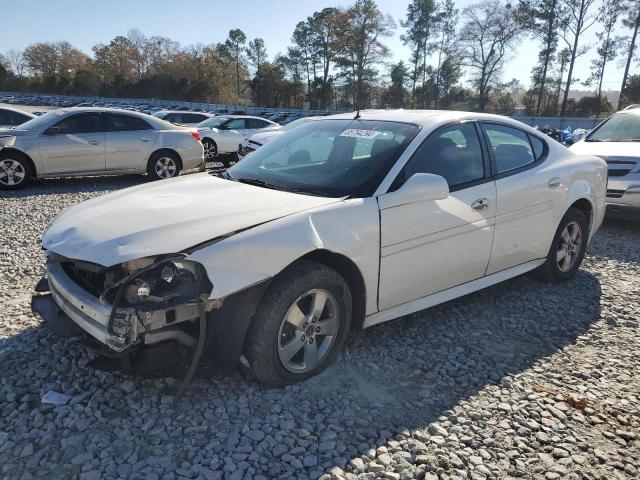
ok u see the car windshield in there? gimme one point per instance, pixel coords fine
(331, 158)
(43, 120)
(621, 127)
(212, 122)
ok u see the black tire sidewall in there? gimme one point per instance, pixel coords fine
(27, 169)
(158, 155)
(263, 356)
(572, 215)
(211, 142)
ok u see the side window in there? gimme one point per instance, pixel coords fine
(236, 124)
(83, 123)
(453, 152)
(538, 146)
(14, 118)
(511, 147)
(173, 117)
(192, 118)
(125, 123)
(255, 123)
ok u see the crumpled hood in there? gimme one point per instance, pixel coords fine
(167, 216)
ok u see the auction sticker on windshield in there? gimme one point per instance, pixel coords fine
(359, 133)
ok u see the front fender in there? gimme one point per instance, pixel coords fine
(350, 228)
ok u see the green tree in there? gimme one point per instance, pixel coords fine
(361, 29)
(396, 95)
(578, 18)
(235, 45)
(257, 53)
(632, 22)
(607, 48)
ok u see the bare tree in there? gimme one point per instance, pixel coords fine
(489, 33)
(17, 62)
(578, 18)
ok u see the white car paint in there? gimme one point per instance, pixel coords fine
(183, 117)
(623, 161)
(410, 255)
(228, 141)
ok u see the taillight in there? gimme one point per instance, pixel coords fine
(197, 136)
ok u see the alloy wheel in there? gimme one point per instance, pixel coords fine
(569, 247)
(308, 331)
(12, 172)
(166, 167)
(210, 150)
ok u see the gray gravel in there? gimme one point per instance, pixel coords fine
(480, 387)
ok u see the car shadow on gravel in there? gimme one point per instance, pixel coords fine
(401, 375)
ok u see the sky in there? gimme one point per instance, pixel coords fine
(85, 23)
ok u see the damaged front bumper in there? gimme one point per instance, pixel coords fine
(127, 325)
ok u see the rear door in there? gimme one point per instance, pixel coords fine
(430, 246)
(128, 140)
(530, 192)
(75, 144)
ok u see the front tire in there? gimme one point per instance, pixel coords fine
(164, 165)
(15, 171)
(300, 325)
(567, 249)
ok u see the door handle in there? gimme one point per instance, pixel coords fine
(145, 139)
(555, 182)
(480, 204)
(94, 142)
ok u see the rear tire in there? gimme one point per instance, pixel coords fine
(300, 325)
(210, 149)
(567, 249)
(15, 171)
(163, 165)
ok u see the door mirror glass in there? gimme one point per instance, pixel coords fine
(420, 187)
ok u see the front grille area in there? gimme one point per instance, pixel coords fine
(614, 193)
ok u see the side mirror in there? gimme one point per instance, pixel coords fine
(421, 187)
(51, 131)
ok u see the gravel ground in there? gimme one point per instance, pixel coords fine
(488, 386)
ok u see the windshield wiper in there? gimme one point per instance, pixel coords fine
(260, 183)
(225, 174)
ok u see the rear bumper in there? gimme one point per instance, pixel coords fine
(192, 157)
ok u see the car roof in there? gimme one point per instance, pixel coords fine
(185, 111)
(426, 118)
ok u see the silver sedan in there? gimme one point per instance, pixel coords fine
(95, 141)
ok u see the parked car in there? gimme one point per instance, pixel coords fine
(189, 119)
(340, 223)
(95, 141)
(223, 135)
(616, 140)
(257, 140)
(12, 117)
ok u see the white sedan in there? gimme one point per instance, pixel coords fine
(223, 135)
(341, 223)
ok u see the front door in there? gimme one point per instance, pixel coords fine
(75, 144)
(128, 142)
(429, 246)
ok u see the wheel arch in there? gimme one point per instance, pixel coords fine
(160, 151)
(585, 206)
(23, 155)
